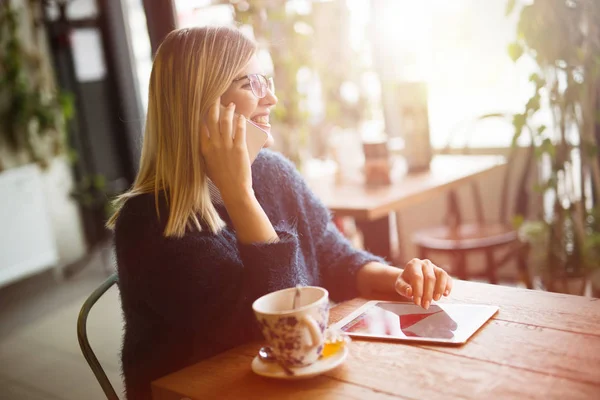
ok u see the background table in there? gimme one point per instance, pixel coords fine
(539, 345)
(371, 206)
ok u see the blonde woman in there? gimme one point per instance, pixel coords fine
(202, 233)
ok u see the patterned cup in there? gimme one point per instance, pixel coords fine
(295, 335)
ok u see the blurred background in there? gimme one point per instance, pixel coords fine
(371, 93)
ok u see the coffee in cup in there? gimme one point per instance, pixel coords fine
(296, 335)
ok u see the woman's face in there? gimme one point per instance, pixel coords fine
(246, 103)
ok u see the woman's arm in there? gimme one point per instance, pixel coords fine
(206, 282)
(249, 219)
(348, 272)
(376, 278)
(339, 262)
(228, 166)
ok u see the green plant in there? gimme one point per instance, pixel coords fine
(562, 37)
(32, 117)
(92, 192)
(291, 38)
(275, 29)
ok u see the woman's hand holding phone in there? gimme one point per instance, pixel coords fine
(223, 145)
(223, 142)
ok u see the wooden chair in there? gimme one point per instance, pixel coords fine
(458, 238)
(86, 349)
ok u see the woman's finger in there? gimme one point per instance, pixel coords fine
(449, 285)
(240, 131)
(213, 122)
(402, 287)
(226, 125)
(440, 283)
(413, 274)
(428, 282)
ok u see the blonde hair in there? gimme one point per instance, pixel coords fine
(192, 68)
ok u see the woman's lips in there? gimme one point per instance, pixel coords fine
(265, 127)
(261, 119)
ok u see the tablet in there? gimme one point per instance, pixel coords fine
(441, 323)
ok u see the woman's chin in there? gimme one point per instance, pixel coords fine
(270, 141)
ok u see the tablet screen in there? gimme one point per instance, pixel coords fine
(451, 322)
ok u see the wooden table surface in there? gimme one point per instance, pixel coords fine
(371, 206)
(352, 198)
(538, 346)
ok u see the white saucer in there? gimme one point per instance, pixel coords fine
(274, 370)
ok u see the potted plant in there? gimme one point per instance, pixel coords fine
(563, 39)
(33, 116)
(34, 172)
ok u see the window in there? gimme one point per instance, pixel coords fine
(201, 12)
(459, 48)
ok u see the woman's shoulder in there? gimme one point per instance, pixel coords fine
(147, 214)
(272, 167)
(270, 161)
(139, 229)
(277, 180)
(141, 205)
(139, 213)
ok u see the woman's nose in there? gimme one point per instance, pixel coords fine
(270, 99)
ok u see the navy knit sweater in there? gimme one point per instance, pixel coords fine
(186, 299)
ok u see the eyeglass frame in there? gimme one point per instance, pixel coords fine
(268, 79)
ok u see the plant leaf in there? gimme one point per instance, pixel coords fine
(537, 80)
(590, 149)
(519, 121)
(99, 182)
(538, 188)
(541, 129)
(534, 103)
(517, 221)
(510, 6)
(491, 115)
(515, 51)
(546, 147)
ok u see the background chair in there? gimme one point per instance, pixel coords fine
(458, 238)
(86, 349)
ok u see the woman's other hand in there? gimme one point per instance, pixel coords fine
(223, 142)
(423, 281)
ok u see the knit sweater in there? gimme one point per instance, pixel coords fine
(186, 299)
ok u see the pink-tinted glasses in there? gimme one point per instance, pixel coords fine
(259, 84)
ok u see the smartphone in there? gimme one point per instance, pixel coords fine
(255, 139)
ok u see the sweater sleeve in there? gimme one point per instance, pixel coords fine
(337, 259)
(339, 262)
(203, 282)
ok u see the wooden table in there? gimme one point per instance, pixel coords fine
(371, 206)
(539, 345)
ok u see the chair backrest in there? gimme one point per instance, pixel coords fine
(521, 204)
(86, 349)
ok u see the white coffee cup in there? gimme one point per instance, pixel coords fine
(296, 336)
